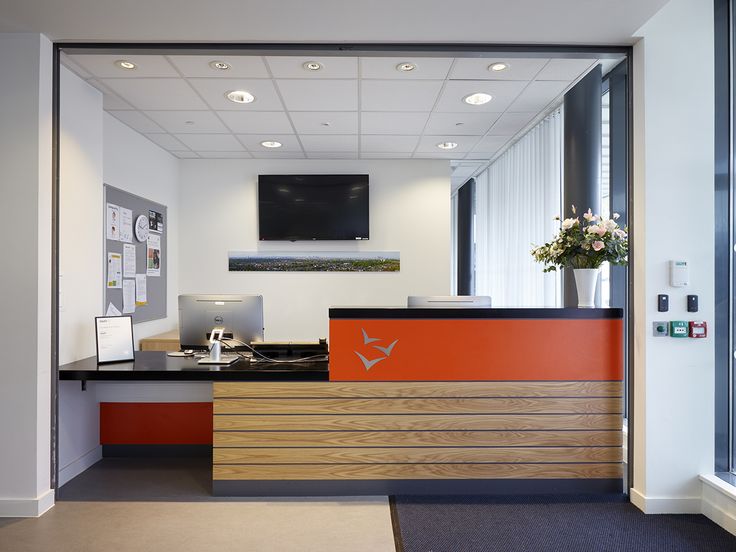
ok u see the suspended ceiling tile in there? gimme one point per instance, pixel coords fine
(246, 67)
(385, 144)
(224, 155)
(277, 155)
(110, 101)
(377, 122)
(386, 68)
(332, 155)
(70, 64)
(137, 121)
(210, 142)
(329, 143)
(478, 68)
(252, 142)
(385, 155)
(256, 122)
(188, 122)
(399, 95)
(167, 141)
(538, 95)
(502, 92)
(319, 95)
(428, 144)
(509, 124)
(437, 155)
(471, 124)
(104, 66)
(565, 69)
(154, 94)
(214, 92)
(325, 122)
(333, 67)
(185, 154)
(490, 144)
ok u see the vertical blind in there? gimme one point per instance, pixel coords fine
(517, 198)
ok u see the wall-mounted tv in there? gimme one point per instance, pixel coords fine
(313, 207)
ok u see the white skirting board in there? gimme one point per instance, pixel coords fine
(719, 502)
(28, 507)
(665, 505)
(73, 469)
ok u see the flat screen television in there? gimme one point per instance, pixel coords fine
(313, 207)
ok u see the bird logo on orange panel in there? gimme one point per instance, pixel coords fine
(369, 363)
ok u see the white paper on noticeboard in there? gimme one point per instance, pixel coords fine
(153, 255)
(114, 270)
(113, 222)
(141, 297)
(126, 225)
(128, 260)
(112, 310)
(128, 296)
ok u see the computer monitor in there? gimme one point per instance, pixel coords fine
(449, 301)
(240, 315)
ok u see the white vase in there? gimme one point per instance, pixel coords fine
(586, 280)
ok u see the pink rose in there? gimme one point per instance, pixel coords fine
(598, 245)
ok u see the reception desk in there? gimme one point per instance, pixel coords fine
(435, 401)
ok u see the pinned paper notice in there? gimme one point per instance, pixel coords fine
(114, 270)
(128, 296)
(140, 290)
(153, 255)
(113, 222)
(126, 225)
(128, 260)
(112, 310)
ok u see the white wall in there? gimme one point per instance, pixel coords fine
(80, 222)
(25, 278)
(97, 148)
(135, 164)
(409, 210)
(673, 219)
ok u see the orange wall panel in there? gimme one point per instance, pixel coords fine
(473, 349)
(155, 423)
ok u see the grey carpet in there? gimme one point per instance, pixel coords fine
(549, 524)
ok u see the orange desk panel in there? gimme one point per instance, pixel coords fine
(476, 349)
(155, 423)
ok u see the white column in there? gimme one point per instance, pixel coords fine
(25, 277)
(673, 219)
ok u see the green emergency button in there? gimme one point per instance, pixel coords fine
(678, 328)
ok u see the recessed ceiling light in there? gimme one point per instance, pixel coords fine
(240, 96)
(312, 66)
(221, 65)
(479, 98)
(125, 64)
(405, 67)
(447, 145)
(271, 144)
(498, 66)
(326, 124)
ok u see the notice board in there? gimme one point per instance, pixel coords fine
(124, 236)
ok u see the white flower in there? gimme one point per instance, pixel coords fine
(589, 215)
(616, 216)
(611, 225)
(568, 223)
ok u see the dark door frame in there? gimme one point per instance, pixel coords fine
(347, 49)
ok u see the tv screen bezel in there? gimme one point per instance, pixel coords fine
(316, 175)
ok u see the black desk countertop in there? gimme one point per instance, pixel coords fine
(473, 313)
(156, 366)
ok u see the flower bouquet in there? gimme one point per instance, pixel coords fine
(584, 246)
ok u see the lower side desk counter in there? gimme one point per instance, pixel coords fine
(341, 438)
